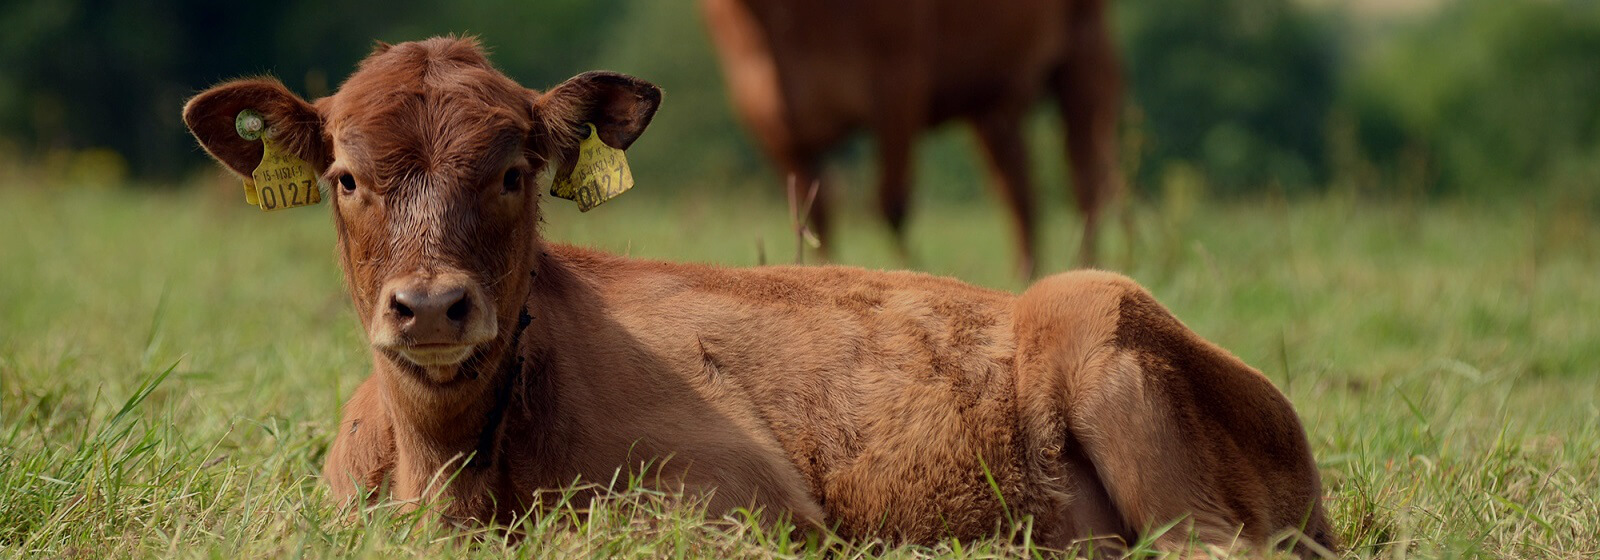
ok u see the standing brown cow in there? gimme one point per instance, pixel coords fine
(871, 403)
(805, 74)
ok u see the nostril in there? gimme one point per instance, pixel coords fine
(422, 309)
(400, 309)
(458, 311)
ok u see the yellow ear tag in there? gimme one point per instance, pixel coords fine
(600, 174)
(283, 180)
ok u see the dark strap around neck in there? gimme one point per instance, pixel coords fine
(510, 372)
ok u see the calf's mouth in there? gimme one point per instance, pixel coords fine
(434, 355)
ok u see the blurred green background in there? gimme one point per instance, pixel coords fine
(1477, 98)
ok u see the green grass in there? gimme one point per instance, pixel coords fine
(171, 366)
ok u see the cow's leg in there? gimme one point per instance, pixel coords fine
(1156, 424)
(895, 143)
(900, 95)
(763, 104)
(804, 186)
(1000, 132)
(802, 167)
(1088, 88)
(362, 456)
(761, 101)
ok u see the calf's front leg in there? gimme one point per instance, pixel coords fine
(362, 456)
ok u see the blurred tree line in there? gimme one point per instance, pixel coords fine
(78, 74)
(1478, 96)
(1239, 88)
(1490, 96)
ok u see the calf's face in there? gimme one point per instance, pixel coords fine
(436, 162)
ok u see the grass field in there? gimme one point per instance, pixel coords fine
(171, 366)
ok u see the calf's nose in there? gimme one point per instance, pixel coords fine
(431, 314)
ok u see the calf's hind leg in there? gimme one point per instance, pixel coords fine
(1150, 424)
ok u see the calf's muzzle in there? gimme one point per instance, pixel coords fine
(432, 319)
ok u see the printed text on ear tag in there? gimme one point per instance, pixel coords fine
(283, 180)
(600, 174)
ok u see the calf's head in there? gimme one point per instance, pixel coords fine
(436, 162)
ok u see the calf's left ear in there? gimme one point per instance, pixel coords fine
(620, 107)
(291, 122)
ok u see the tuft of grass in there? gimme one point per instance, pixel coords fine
(171, 366)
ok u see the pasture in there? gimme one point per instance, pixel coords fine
(172, 363)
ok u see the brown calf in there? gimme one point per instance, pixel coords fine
(804, 75)
(869, 403)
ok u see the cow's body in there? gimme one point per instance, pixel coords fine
(872, 402)
(877, 404)
(805, 75)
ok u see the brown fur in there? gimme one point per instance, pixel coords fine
(805, 75)
(875, 404)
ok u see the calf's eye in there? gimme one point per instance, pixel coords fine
(512, 181)
(347, 184)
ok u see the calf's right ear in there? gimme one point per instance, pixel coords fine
(291, 122)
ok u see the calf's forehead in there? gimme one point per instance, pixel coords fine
(429, 104)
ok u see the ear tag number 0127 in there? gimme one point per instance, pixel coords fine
(282, 180)
(600, 174)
